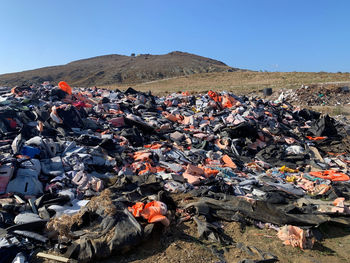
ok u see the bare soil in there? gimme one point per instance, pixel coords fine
(180, 243)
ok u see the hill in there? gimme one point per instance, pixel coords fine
(119, 69)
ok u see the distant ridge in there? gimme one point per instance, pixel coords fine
(119, 69)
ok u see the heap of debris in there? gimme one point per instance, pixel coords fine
(87, 173)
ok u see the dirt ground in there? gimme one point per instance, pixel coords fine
(180, 243)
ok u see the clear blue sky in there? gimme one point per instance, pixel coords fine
(274, 35)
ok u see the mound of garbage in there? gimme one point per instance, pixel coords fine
(318, 95)
(88, 173)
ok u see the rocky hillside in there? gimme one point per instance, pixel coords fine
(119, 69)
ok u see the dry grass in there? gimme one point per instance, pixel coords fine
(333, 110)
(239, 82)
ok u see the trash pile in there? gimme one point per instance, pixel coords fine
(317, 95)
(87, 173)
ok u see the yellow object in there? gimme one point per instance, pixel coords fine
(285, 169)
(290, 179)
